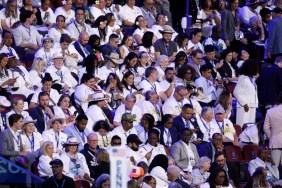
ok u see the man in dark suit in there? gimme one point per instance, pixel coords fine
(4, 103)
(173, 175)
(210, 59)
(274, 42)
(11, 145)
(209, 148)
(265, 15)
(42, 112)
(168, 134)
(112, 46)
(186, 120)
(269, 85)
(82, 46)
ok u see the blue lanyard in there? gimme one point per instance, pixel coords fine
(57, 183)
(105, 143)
(221, 127)
(82, 135)
(17, 141)
(208, 129)
(31, 141)
(57, 138)
(153, 85)
(191, 103)
(157, 110)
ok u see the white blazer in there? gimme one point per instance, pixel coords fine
(44, 168)
(49, 135)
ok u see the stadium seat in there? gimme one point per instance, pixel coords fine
(233, 154)
(238, 129)
(82, 184)
(250, 151)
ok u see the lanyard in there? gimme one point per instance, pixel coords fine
(60, 73)
(208, 129)
(191, 103)
(167, 137)
(166, 49)
(57, 183)
(17, 141)
(221, 127)
(83, 28)
(156, 108)
(187, 125)
(47, 57)
(27, 30)
(105, 143)
(81, 134)
(57, 138)
(31, 141)
(153, 85)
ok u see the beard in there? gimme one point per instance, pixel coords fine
(134, 148)
(169, 80)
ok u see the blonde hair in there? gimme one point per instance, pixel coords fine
(44, 146)
(37, 63)
(102, 156)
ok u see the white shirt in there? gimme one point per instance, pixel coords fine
(70, 15)
(54, 95)
(81, 95)
(208, 129)
(191, 159)
(250, 134)
(130, 14)
(96, 12)
(50, 18)
(26, 35)
(147, 86)
(94, 114)
(63, 76)
(143, 150)
(23, 113)
(103, 72)
(55, 34)
(75, 29)
(227, 130)
(165, 85)
(157, 28)
(135, 112)
(32, 143)
(208, 89)
(46, 56)
(119, 131)
(112, 9)
(16, 139)
(8, 50)
(35, 78)
(9, 20)
(148, 107)
(44, 168)
(171, 106)
(58, 140)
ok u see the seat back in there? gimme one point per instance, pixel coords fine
(34, 167)
(250, 151)
(238, 129)
(82, 184)
(233, 153)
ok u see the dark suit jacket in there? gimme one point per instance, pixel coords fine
(182, 183)
(80, 50)
(274, 42)
(206, 150)
(225, 71)
(7, 147)
(228, 23)
(107, 50)
(3, 117)
(270, 85)
(178, 124)
(173, 134)
(207, 62)
(36, 113)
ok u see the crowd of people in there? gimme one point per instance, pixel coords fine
(79, 78)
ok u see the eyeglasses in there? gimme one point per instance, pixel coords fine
(182, 95)
(93, 140)
(116, 143)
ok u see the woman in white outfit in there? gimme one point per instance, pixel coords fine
(246, 93)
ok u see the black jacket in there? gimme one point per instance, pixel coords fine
(36, 113)
(90, 157)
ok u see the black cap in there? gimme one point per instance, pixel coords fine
(57, 162)
(133, 138)
(277, 10)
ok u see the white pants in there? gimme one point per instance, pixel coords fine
(245, 117)
(277, 156)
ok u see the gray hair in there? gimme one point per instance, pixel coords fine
(205, 110)
(174, 170)
(201, 162)
(102, 179)
(130, 96)
(160, 59)
(91, 134)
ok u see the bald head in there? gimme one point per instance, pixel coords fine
(83, 38)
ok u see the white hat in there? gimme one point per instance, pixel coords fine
(114, 57)
(57, 56)
(219, 110)
(71, 141)
(47, 37)
(55, 118)
(4, 102)
(99, 96)
(28, 119)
